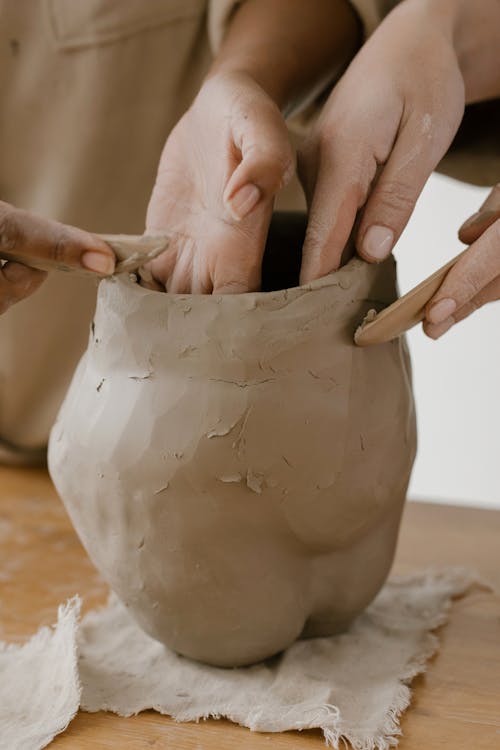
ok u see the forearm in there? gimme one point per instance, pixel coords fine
(474, 31)
(290, 47)
(477, 40)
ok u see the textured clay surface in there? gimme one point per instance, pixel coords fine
(235, 467)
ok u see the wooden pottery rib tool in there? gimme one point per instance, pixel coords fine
(406, 312)
(132, 252)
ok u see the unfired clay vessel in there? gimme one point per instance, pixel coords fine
(235, 467)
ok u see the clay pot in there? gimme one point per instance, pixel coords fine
(235, 467)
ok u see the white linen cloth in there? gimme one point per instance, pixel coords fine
(353, 686)
(39, 685)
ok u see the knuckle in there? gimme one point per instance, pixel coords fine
(396, 195)
(279, 156)
(234, 286)
(317, 228)
(237, 280)
(59, 250)
(11, 235)
(470, 285)
(281, 162)
(318, 250)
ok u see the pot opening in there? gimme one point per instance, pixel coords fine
(283, 251)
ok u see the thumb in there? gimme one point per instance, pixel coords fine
(267, 161)
(36, 239)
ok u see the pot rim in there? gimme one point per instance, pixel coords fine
(333, 279)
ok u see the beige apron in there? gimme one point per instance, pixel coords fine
(89, 91)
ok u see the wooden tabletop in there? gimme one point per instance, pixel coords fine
(456, 704)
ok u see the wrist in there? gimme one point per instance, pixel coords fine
(248, 67)
(291, 49)
(477, 45)
(473, 30)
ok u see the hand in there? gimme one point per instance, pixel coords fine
(383, 130)
(220, 169)
(475, 279)
(22, 233)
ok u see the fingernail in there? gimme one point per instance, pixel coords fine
(471, 220)
(441, 310)
(243, 201)
(441, 329)
(98, 262)
(481, 217)
(378, 242)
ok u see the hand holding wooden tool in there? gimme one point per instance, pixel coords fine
(410, 309)
(131, 251)
(403, 314)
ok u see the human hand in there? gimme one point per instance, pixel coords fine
(24, 233)
(383, 130)
(475, 279)
(220, 169)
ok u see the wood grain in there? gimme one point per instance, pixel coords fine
(456, 704)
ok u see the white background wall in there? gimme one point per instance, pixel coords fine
(456, 379)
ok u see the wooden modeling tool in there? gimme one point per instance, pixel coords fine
(406, 312)
(132, 252)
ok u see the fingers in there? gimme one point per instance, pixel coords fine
(237, 265)
(219, 172)
(27, 234)
(267, 164)
(17, 282)
(415, 155)
(470, 284)
(225, 258)
(266, 161)
(188, 272)
(163, 266)
(336, 172)
(490, 293)
(482, 219)
(337, 166)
